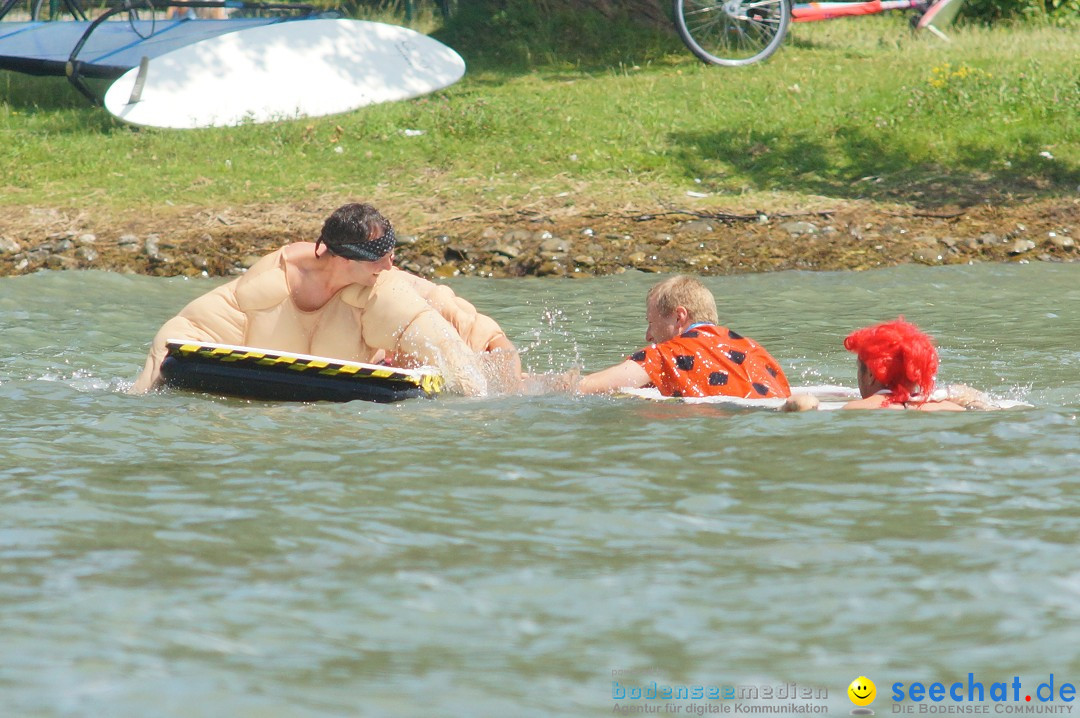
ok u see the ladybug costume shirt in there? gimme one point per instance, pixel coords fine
(710, 360)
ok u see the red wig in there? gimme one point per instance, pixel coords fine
(899, 356)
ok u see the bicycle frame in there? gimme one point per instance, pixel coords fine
(815, 11)
(742, 32)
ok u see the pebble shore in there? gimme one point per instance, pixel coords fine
(852, 237)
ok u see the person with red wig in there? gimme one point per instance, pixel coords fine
(897, 369)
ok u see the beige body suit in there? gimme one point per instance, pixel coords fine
(414, 320)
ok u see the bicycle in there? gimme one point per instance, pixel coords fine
(742, 32)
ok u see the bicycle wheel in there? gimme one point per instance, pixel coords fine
(732, 32)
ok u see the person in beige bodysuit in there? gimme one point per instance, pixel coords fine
(341, 298)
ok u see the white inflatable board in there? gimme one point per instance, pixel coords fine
(831, 396)
(304, 68)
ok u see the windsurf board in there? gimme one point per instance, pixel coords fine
(303, 68)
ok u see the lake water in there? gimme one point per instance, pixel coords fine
(178, 555)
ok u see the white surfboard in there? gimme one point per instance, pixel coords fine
(303, 68)
(831, 396)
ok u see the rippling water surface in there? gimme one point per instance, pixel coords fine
(178, 555)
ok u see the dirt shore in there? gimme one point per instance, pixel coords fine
(553, 240)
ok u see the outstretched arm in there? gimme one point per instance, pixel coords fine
(502, 365)
(628, 375)
(429, 339)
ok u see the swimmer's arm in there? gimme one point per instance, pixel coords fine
(213, 317)
(176, 328)
(877, 401)
(628, 375)
(969, 397)
(502, 366)
(150, 376)
(941, 406)
(432, 340)
(801, 402)
(500, 341)
(566, 381)
(503, 350)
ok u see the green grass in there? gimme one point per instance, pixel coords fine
(847, 109)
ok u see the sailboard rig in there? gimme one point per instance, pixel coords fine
(265, 63)
(109, 46)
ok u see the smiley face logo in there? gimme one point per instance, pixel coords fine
(862, 691)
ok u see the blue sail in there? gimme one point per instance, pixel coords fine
(113, 48)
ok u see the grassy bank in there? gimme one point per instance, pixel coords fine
(848, 109)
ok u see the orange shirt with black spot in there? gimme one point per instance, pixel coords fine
(710, 360)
